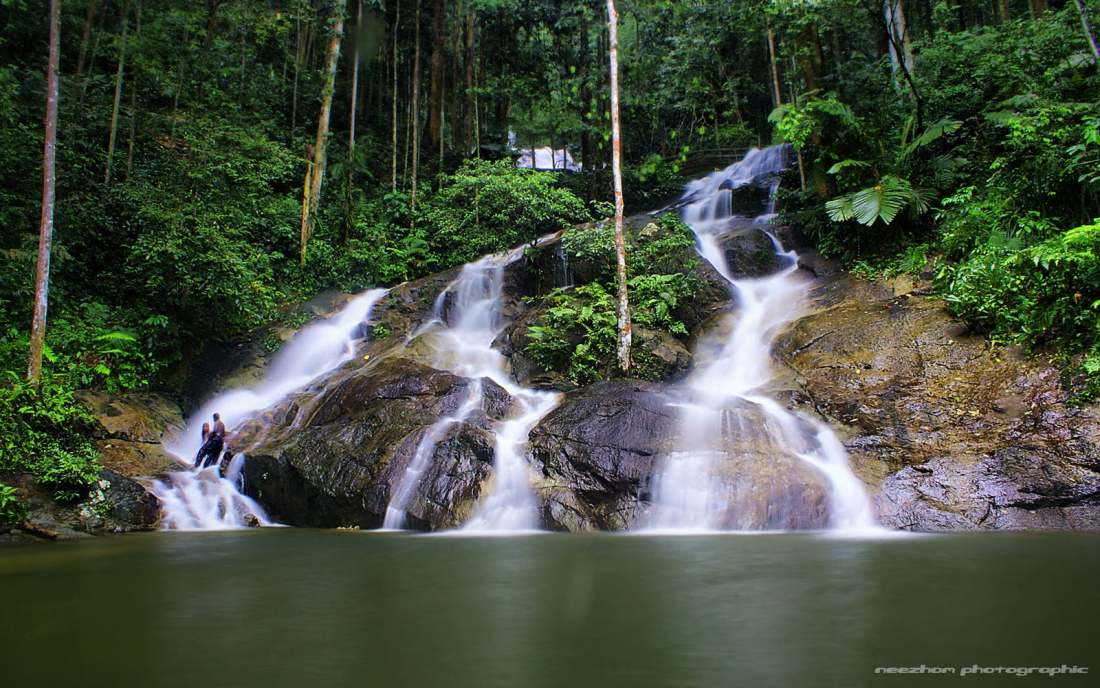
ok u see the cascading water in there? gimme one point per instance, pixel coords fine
(726, 410)
(465, 323)
(204, 500)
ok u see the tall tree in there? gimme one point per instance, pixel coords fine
(355, 78)
(616, 172)
(435, 100)
(414, 113)
(85, 36)
(468, 120)
(118, 91)
(315, 172)
(1087, 25)
(45, 224)
(393, 124)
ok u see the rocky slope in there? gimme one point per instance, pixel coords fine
(946, 432)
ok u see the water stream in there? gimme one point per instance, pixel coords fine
(465, 323)
(728, 415)
(203, 499)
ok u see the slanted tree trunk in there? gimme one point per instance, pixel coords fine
(118, 92)
(1087, 26)
(316, 173)
(45, 224)
(85, 36)
(414, 115)
(393, 127)
(616, 172)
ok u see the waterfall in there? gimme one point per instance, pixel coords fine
(726, 402)
(465, 323)
(204, 500)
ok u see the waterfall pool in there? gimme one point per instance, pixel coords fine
(296, 607)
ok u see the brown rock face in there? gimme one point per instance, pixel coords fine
(131, 429)
(951, 434)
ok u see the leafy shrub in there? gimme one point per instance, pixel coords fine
(487, 207)
(577, 332)
(46, 433)
(12, 510)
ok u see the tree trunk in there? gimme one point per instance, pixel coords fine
(354, 81)
(898, 38)
(133, 101)
(1087, 26)
(616, 171)
(777, 91)
(91, 58)
(393, 128)
(312, 195)
(468, 120)
(118, 92)
(1002, 11)
(586, 103)
(435, 102)
(45, 225)
(901, 52)
(297, 69)
(85, 36)
(1038, 8)
(414, 115)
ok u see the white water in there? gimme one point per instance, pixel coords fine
(203, 500)
(395, 511)
(689, 492)
(463, 336)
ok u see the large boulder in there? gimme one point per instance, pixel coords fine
(335, 454)
(130, 430)
(113, 504)
(749, 251)
(596, 453)
(950, 433)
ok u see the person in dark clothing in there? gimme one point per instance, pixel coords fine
(212, 447)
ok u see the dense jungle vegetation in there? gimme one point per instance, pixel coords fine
(959, 138)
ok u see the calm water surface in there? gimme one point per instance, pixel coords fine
(328, 608)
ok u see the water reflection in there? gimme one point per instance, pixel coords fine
(293, 608)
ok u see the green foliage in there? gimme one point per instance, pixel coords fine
(12, 509)
(45, 432)
(576, 333)
(1042, 294)
(487, 207)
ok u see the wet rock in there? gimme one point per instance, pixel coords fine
(750, 252)
(657, 355)
(335, 455)
(596, 454)
(948, 433)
